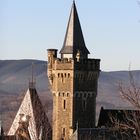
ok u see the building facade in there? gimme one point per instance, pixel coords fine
(74, 80)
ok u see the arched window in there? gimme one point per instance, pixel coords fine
(67, 94)
(63, 94)
(68, 75)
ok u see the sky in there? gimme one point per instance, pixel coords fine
(111, 30)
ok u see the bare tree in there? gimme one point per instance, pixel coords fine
(131, 93)
(130, 119)
(126, 126)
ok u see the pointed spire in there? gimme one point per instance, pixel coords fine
(74, 40)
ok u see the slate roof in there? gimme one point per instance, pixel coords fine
(106, 128)
(14, 137)
(74, 39)
(39, 125)
(93, 134)
(120, 115)
(8, 138)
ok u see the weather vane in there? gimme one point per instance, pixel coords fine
(32, 72)
(32, 81)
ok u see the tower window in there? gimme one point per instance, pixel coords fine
(59, 94)
(63, 94)
(85, 95)
(62, 78)
(63, 132)
(84, 104)
(64, 104)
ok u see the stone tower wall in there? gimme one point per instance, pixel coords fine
(61, 72)
(85, 91)
(74, 89)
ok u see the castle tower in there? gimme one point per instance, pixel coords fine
(74, 80)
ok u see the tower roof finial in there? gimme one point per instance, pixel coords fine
(32, 82)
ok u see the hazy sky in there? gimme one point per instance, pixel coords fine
(111, 29)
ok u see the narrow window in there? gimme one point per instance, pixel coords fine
(85, 95)
(62, 78)
(64, 104)
(63, 132)
(67, 94)
(84, 104)
(63, 94)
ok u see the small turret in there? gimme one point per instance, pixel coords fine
(24, 120)
(22, 131)
(52, 55)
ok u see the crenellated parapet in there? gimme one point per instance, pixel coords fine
(55, 65)
(87, 64)
(64, 64)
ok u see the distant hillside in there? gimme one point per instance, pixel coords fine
(15, 75)
(14, 79)
(108, 91)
